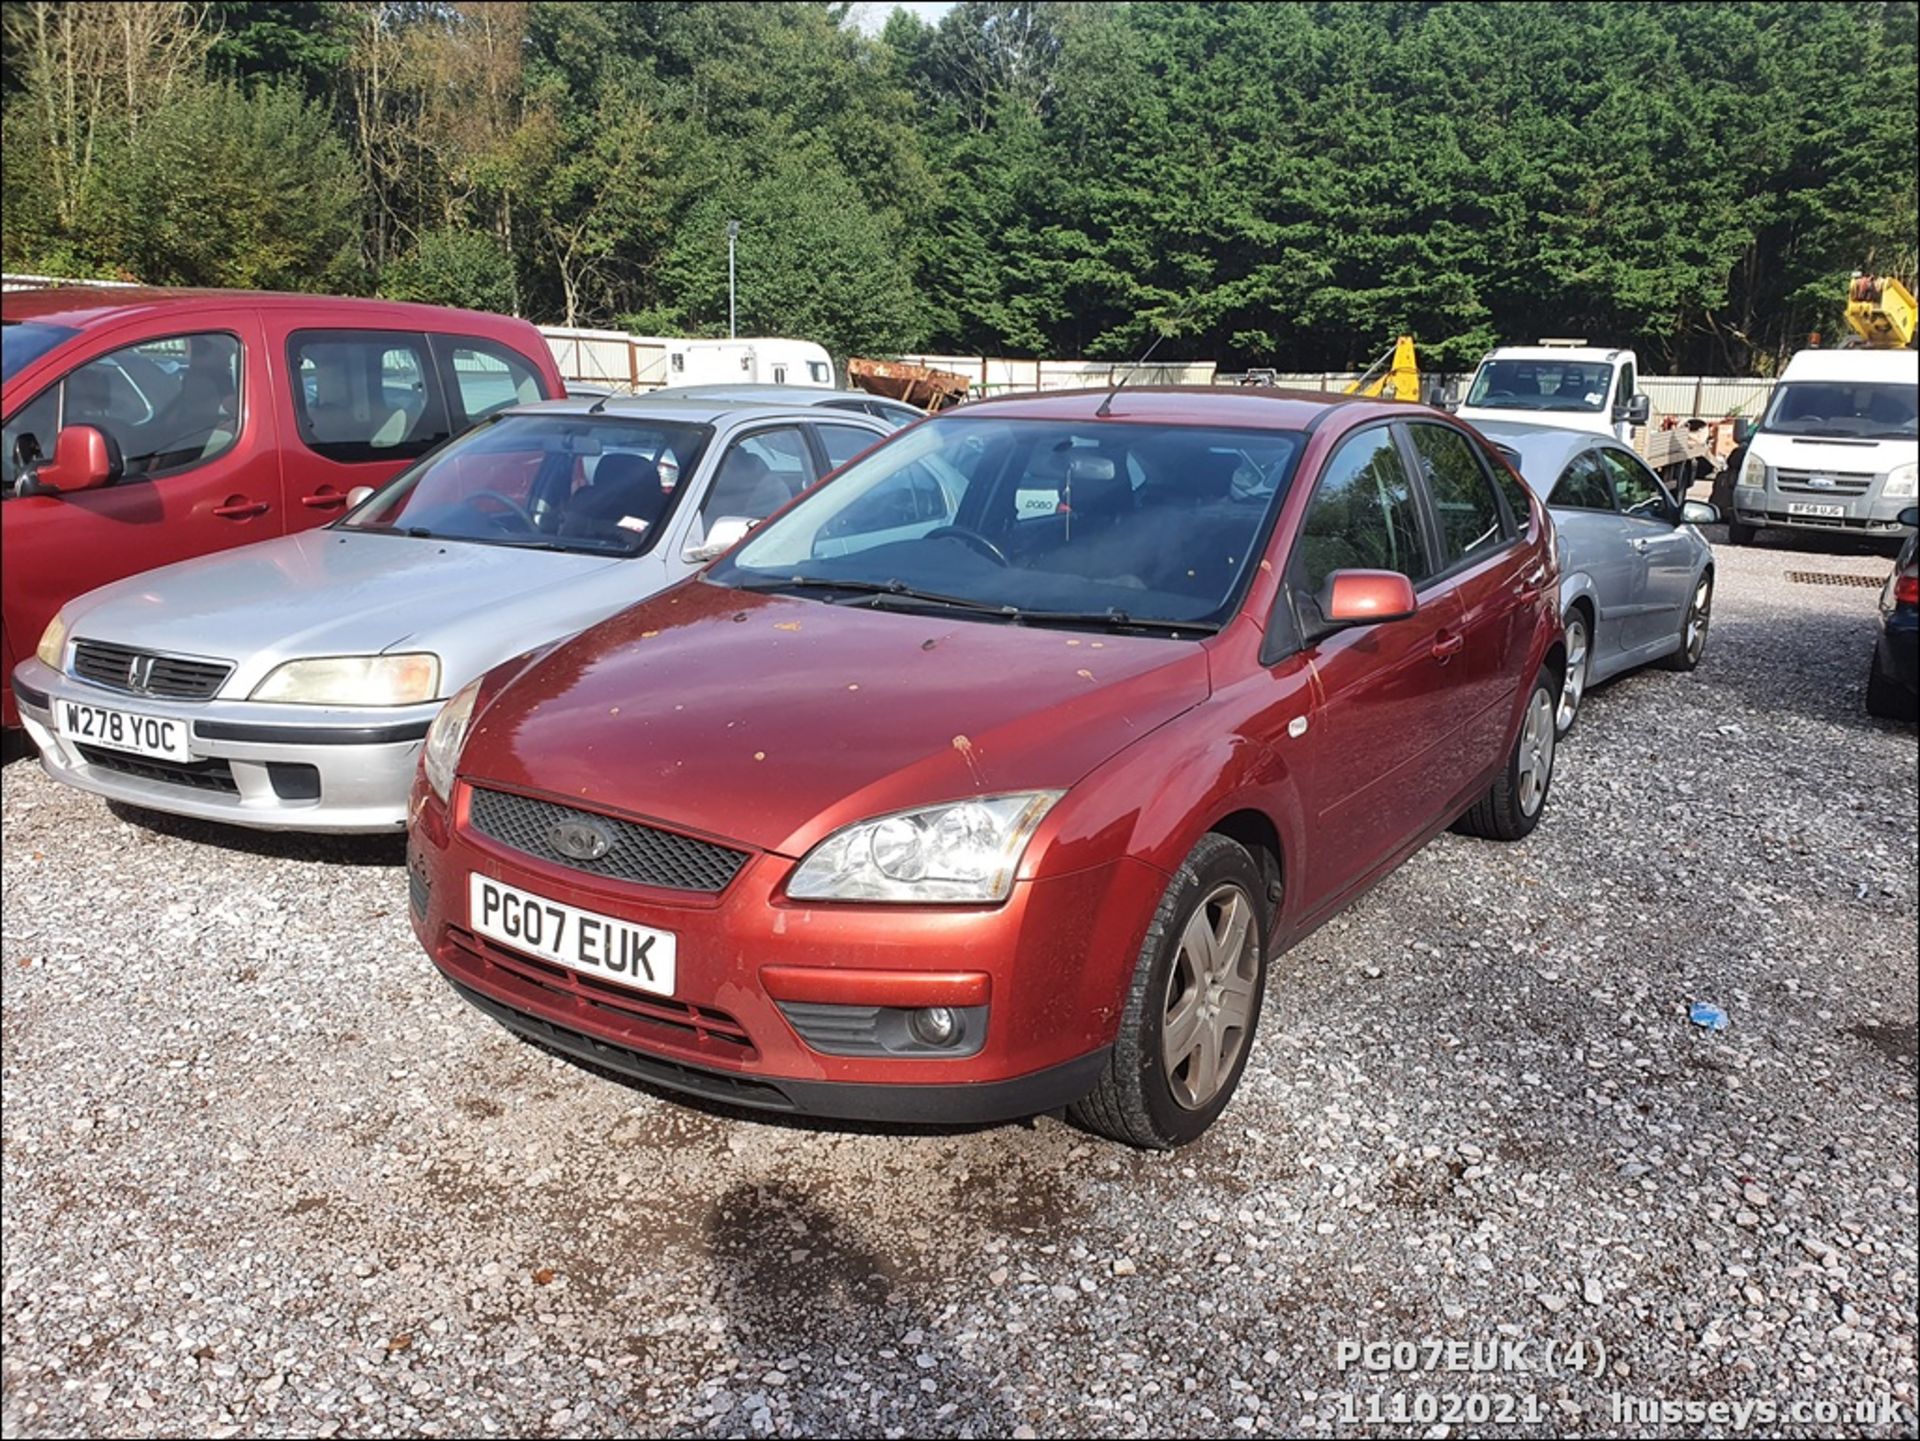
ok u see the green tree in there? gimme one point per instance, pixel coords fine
(453, 267)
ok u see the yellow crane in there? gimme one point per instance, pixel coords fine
(1395, 375)
(1882, 311)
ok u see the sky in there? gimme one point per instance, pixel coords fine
(871, 15)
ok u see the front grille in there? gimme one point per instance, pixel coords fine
(1801, 482)
(209, 775)
(597, 999)
(145, 672)
(641, 854)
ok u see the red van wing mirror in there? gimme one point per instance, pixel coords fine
(1366, 597)
(84, 458)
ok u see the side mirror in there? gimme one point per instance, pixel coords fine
(359, 496)
(1637, 411)
(722, 536)
(1742, 430)
(1366, 597)
(1698, 512)
(84, 458)
(1450, 396)
(1910, 517)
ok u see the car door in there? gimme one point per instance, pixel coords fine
(756, 472)
(1377, 759)
(190, 410)
(1597, 541)
(1480, 555)
(359, 404)
(1652, 523)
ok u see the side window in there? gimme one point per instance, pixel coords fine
(844, 442)
(1628, 382)
(1463, 499)
(365, 395)
(758, 474)
(1634, 487)
(817, 372)
(487, 378)
(170, 404)
(1514, 491)
(1363, 516)
(1583, 485)
(779, 375)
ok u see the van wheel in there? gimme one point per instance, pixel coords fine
(1738, 534)
(1693, 629)
(1512, 805)
(1188, 1024)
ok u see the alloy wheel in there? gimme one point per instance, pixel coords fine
(1536, 752)
(1574, 687)
(1698, 615)
(1210, 996)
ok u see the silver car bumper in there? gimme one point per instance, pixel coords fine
(273, 767)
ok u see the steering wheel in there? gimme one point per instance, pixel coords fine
(514, 510)
(973, 540)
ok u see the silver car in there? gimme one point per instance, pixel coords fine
(1636, 577)
(288, 685)
(896, 413)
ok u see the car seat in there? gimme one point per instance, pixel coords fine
(746, 486)
(624, 501)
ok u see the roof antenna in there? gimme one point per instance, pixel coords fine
(1106, 405)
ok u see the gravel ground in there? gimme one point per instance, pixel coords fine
(265, 1176)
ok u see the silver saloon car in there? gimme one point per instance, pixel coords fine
(289, 685)
(1636, 576)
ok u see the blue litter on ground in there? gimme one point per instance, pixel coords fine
(1705, 1013)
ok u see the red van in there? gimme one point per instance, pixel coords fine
(143, 427)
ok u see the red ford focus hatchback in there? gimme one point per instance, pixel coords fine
(990, 777)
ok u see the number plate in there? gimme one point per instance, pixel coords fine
(121, 730)
(1819, 512)
(596, 945)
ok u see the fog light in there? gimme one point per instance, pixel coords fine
(934, 1026)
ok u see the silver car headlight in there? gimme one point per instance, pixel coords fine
(962, 851)
(53, 642)
(1902, 482)
(353, 680)
(447, 737)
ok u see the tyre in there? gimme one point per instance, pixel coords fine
(1693, 627)
(1512, 805)
(1190, 1013)
(1738, 534)
(1723, 482)
(1573, 689)
(1884, 698)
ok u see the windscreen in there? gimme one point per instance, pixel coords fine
(24, 341)
(1541, 385)
(1123, 523)
(1854, 410)
(551, 482)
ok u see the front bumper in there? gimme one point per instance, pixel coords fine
(271, 767)
(1866, 514)
(1052, 962)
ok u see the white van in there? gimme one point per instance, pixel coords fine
(1836, 449)
(756, 362)
(1564, 384)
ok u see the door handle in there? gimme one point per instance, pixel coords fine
(238, 507)
(1446, 646)
(324, 500)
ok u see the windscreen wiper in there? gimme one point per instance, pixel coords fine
(877, 591)
(1117, 619)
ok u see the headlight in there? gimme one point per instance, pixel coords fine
(353, 680)
(53, 642)
(1753, 473)
(447, 736)
(963, 851)
(1902, 482)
